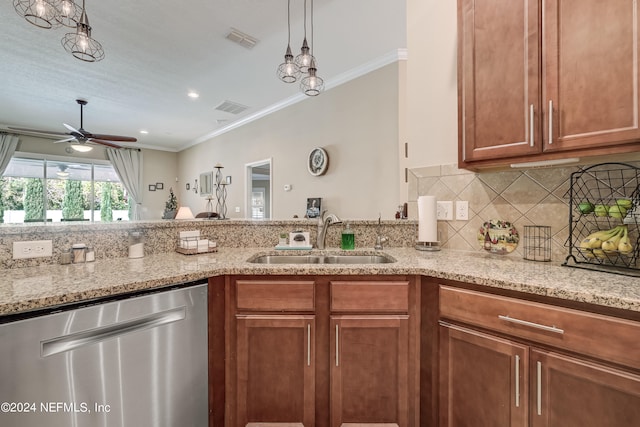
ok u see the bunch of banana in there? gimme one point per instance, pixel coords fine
(607, 241)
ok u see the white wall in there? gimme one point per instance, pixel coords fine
(357, 124)
(432, 95)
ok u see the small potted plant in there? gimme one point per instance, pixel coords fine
(283, 239)
(171, 206)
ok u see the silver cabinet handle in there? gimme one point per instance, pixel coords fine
(539, 384)
(93, 336)
(531, 124)
(308, 344)
(550, 121)
(517, 369)
(337, 340)
(531, 324)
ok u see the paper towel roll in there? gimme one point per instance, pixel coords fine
(427, 219)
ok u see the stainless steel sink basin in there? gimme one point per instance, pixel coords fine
(322, 259)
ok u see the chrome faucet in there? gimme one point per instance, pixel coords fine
(323, 224)
(379, 238)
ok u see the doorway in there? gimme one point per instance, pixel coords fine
(258, 200)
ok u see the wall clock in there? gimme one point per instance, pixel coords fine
(318, 162)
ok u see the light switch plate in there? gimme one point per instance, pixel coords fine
(444, 210)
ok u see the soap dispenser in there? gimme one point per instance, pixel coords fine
(348, 238)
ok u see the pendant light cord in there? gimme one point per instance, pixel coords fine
(312, 44)
(288, 22)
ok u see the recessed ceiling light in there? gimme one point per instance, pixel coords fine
(193, 95)
(144, 132)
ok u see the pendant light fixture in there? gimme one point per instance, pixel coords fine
(41, 13)
(80, 44)
(311, 84)
(303, 60)
(288, 71)
(68, 13)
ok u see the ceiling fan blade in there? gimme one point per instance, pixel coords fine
(72, 129)
(102, 142)
(71, 138)
(113, 137)
(46, 132)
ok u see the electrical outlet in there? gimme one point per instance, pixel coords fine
(32, 249)
(237, 209)
(444, 210)
(462, 210)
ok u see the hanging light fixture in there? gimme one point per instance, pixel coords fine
(68, 13)
(303, 60)
(288, 71)
(311, 84)
(41, 13)
(80, 44)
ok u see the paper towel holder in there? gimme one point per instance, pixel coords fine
(428, 246)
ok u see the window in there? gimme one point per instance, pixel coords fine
(61, 189)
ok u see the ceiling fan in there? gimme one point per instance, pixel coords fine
(81, 136)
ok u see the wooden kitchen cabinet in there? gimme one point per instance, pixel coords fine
(482, 380)
(579, 99)
(370, 362)
(510, 362)
(276, 370)
(322, 351)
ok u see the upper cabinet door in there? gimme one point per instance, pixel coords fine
(590, 73)
(498, 79)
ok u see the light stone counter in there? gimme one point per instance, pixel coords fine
(32, 288)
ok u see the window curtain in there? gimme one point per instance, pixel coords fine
(128, 165)
(8, 145)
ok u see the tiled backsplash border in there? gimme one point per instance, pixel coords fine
(537, 196)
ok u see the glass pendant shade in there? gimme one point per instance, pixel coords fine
(311, 84)
(288, 71)
(41, 13)
(80, 44)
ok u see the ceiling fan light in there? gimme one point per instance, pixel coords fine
(41, 13)
(81, 148)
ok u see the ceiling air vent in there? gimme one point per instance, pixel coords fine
(231, 107)
(244, 40)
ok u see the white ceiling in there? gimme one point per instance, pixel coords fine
(158, 50)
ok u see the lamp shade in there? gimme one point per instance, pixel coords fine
(184, 213)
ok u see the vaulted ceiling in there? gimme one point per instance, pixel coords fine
(156, 51)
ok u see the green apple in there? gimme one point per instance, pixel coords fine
(586, 207)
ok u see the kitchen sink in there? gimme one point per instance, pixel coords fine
(322, 259)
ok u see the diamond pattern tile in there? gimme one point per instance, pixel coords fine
(524, 193)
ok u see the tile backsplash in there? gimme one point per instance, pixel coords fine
(537, 196)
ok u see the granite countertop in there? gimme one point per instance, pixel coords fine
(32, 288)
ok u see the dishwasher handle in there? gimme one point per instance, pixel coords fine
(93, 336)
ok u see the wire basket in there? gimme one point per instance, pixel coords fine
(603, 197)
(537, 242)
(196, 245)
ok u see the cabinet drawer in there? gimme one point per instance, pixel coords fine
(270, 295)
(603, 337)
(353, 296)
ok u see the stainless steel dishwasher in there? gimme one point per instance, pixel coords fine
(138, 361)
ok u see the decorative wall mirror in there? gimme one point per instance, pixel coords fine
(258, 200)
(206, 184)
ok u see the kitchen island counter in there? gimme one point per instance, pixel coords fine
(33, 288)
